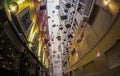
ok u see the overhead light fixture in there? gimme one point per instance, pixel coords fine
(13, 7)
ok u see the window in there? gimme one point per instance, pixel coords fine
(93, 14)
(88, 67)
(71, 73)
(26, 20)
(23, 19)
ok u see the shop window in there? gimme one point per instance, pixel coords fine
(113, 56)
(71, 73)
(77, 73)
(23, 20)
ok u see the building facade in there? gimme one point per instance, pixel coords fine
(23, 44)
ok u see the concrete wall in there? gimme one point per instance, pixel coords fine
(101, 63)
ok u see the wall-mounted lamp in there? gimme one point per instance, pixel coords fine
(13, 7)
(20, 1)
(106, 2)
(39, 0)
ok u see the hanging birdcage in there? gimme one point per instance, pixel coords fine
(70, 36)
(64, 17)
(61, 28)
(59, 38)
(67, 25)
(68, 5)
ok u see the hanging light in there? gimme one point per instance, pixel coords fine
(13, 7)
